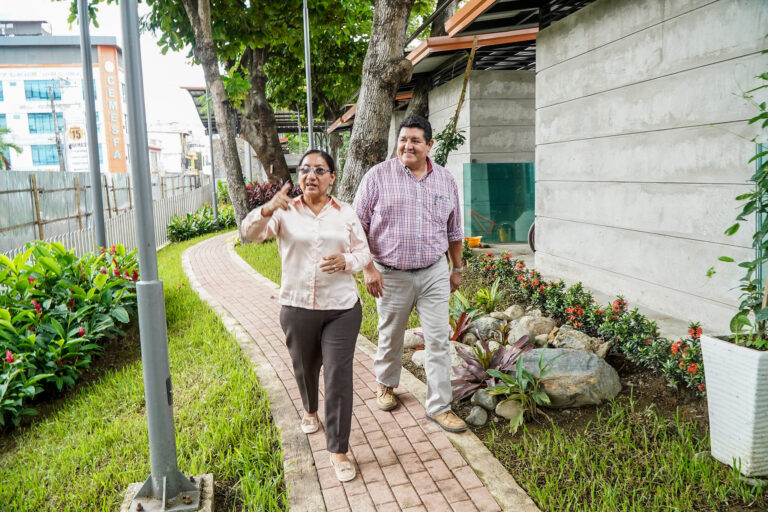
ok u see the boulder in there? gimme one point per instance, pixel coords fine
(486, 325)
(537, 325)
(517, 331)
(573, 378)
(542, 340)
(492, 345)
(477, 416)
(468, 338)
(570, 338)
(508, 409)
(484, 400)
(419, 357)
(500, 316)
(534, 312)
(413, 338)
(514, 312)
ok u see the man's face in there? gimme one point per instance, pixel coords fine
(412, 147)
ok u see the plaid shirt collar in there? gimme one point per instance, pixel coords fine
(405, 169)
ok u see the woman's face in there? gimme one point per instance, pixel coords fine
(313, 184)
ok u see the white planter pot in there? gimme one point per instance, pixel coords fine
(737, 394)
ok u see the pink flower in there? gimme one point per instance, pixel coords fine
(103, 271)
(31, 279)
(38, 308)
(81, 331)
(9, 357)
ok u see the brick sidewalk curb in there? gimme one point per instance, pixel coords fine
(301, 479)
(508, 494)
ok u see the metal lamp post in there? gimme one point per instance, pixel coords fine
(166, 489)
(308, 72)
(209, 113)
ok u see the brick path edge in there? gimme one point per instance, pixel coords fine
(301, 478)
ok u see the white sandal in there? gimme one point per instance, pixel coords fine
(345, 470)
(310, 424)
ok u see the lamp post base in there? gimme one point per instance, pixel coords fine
(201, 499)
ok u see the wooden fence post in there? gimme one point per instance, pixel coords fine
(77, 201)
(106, 193)
(114, 197)
(36, 201)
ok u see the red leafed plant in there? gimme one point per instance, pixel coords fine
(460, 325)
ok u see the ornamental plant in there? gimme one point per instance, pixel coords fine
(200, 222)
(261, 193)
(488, 298)
(55, 312)
(749, 324)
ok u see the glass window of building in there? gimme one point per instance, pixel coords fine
(45, 155)
(43, 122)
(3, 121)
(1, 90)
(37, 90)
(4, 124)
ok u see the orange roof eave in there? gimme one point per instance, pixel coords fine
(445, 43)
(466, 15)
(347, 117)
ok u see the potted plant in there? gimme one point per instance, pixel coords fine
(736, 366)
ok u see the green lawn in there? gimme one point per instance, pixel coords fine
(265, 259)
(83, 454)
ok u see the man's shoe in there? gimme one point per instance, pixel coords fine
(385, 398)
(449, 421)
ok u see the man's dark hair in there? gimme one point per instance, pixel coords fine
(416, 122)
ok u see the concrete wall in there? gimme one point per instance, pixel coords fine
(497, 118)
(642, 144)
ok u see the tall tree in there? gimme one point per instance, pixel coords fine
(384, 69)
(5, 147)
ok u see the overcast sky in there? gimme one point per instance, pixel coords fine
(163, 74)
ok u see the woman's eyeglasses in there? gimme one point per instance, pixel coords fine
(319, 171)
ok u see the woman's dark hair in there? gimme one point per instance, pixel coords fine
(328, 158)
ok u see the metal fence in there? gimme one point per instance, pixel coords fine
(121, 226)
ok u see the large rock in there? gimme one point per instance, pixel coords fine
(537, 325)
(477, 416)
(419, 357)
(570, 338)
(500, 316)
(486, 326)
(508, 409)
(413, 338)
(514, 312)
(574, 378)
(517, 331)
(468, 338)
(541, 340)
(483, 399)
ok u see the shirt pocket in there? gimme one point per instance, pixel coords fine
(441, 208)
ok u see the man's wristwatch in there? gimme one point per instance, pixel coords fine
(458, 270)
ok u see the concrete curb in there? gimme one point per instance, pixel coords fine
(301, 478)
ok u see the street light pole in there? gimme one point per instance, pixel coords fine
(308, 73)
(90, 124)
(209, 113)
(166, 489)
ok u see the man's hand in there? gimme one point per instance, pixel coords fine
(373, 281)
(455, 281)
(281, 201)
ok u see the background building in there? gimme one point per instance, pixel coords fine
(41, 91)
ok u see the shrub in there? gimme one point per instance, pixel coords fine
(472, 374)
(55, 309)
(199, 223)
(261, 193)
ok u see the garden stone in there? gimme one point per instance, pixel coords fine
(508, 409)
(486, 326)
(468, 338)
(574, 378)
(542, 340)
(536, 313)
(570, 338)
(413, 338)
(493, 345)
(482, 398)
(537, 325)
(418, 358)
(517, 331)
(514, 312)
(500, 316)
(477, 416)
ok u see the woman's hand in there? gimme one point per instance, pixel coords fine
(333, 263)
(281, 201)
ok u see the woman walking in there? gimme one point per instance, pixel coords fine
(322, 245)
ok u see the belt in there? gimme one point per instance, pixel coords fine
(404, 269)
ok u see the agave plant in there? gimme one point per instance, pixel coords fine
(473, 374)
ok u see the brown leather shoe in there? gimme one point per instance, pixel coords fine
(449, 421)
(385, 397)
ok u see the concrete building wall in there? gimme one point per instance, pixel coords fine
(642, 143)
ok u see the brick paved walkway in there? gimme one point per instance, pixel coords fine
(404, 461)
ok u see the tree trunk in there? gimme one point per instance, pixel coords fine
(384, 69)
(259, 126)
(199, 14)
(438, 24)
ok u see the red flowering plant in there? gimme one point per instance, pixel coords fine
(684, 364)
(54, 308)
(261, 193)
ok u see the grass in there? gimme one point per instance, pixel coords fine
(265, 259)
(83, 454)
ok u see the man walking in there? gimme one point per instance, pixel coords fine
(409, 208)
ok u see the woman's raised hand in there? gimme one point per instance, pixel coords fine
(281, 201)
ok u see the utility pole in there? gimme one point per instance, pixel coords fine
(59, 149)
(166, 489)
(209, 113)
(308, 73)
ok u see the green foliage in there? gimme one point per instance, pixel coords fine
(449, 139)
(472, 374)
(222, 193)
(5, 147)
(489, 298)
(524, 389)
(55, 312)
(199, 223)
(460, 304)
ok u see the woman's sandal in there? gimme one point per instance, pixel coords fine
(345, 470)
(310, 424)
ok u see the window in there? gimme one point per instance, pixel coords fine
(101, 158)
(3, 121)
(43, 123)
(95, 90)
(45, 155)
(36, 90)
(1, 91)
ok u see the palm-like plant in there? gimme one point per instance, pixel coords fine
(5, 146)
(489, 298)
